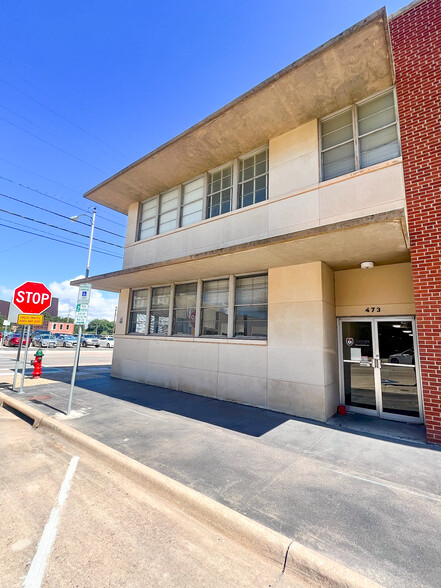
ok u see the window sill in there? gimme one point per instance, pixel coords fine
(219, 340)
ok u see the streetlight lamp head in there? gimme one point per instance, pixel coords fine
(74, 218)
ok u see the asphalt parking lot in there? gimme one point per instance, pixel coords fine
(59, 357)
(69, 521)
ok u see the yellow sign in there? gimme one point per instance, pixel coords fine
(30, 319)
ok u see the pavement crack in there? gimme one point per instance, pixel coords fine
(286, 556)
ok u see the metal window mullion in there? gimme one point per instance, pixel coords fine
(231, 301)
(355, 134)
(235, 185)
(377, 130)
(197, 326)
(158, 203)
(170, 310)
(338, 145)
(179, 205)
(205, 197)
(147, 311)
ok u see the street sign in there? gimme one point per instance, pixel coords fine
(30, 319)
(6, 323)
(81, 312)
(32, 298)
(82, 308)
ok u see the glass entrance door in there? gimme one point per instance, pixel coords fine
(378, 367)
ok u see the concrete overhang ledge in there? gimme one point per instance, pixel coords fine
(381, 238)
(352, 66)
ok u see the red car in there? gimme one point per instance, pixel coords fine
(14, 341)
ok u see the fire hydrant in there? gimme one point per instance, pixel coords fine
(37, 363)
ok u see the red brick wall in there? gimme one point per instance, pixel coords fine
(416, 42)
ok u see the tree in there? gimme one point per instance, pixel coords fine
(100, 326)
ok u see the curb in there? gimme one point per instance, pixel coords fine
(292, 557)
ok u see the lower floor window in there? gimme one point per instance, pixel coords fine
(214, 318)
(138, 313)
(251, 308)
(226, 307)
(184, 309)
(160, 308)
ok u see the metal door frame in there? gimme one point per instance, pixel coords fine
(378, 411)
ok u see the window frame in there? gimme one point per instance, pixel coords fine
(234, 163)
(231, 309)
(356, 135)
(247, 156)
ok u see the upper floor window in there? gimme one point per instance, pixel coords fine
(192, 202)
(253, 179)
(234, 185)
(220, 185)
(168, 210)
(147, 218)
(360, 136)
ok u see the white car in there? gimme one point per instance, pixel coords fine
(66, 341)
(406, 357)
(106, 341)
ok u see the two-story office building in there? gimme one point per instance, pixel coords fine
(267, 256)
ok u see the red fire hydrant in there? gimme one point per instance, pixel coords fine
(37, 363)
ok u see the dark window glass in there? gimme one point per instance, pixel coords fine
(184, 312)
(159, 312)
(251, 307)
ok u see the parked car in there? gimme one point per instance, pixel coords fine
(406, 357)
(44, 341)
(106, 341)
(39, 332)
(66, 341)
(13, 340)
(90, 341)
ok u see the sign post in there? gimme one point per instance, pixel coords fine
(81, 312)
(31, 299)
(25, 358)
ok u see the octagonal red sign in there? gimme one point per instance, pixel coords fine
(32, 298)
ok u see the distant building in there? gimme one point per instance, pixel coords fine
(57, 327)
(283, 251)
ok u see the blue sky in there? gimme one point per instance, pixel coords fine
(88, 87)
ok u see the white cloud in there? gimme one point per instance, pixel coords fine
(101, 305)
(6, 293)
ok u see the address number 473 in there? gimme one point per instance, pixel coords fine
(372, 309)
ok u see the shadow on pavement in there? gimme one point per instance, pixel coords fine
(228, 415)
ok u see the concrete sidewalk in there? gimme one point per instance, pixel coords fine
(369, 502)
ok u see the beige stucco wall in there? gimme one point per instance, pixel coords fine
(295, 371)
(388, 289)
(374, 190)
(294, 160)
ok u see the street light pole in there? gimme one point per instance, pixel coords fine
(80, 330)
(90, 242)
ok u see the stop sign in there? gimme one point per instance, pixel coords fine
(32, 298)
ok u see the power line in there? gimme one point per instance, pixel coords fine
(58, 228)
(58, 114)
(51, 144)
(14, 113)
(56, 213)
(60, 241)
(41, 231)
(63, 201)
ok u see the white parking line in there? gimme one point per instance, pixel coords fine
(35, 574)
